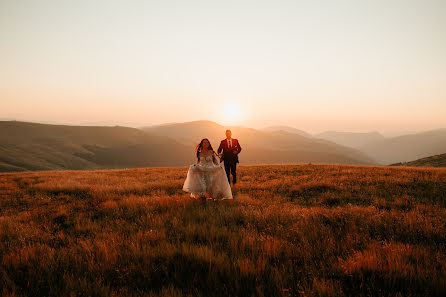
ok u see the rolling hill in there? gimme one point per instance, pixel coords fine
(32, 146)
(263, 147)
(432, 161)
(407, 147)
(287, 129)
(351, 139)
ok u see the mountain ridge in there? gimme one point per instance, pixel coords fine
(406, 148)
(266, 145)
(37, 146)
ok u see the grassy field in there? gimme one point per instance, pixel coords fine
(292, 230)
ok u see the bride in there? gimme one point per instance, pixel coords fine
(206, 178)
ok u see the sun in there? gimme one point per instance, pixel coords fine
(232, 112)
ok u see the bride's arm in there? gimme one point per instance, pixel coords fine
(215, 160)
(197, 160)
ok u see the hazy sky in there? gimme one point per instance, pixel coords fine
(315, 65)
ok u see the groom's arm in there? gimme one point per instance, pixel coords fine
(220, 148)
(239, 148)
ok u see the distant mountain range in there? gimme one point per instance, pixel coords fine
(287, 129)
(407, 147)
(387, 150)
(351, 139)
(432, 161)
(264, 146)
(34, 146)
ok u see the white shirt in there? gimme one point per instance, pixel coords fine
(229, 142)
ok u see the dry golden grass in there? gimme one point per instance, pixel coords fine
(293, 230)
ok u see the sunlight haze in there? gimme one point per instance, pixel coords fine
(313, 65)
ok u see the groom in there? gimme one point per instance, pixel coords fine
(231, 148)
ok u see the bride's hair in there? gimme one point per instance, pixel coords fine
(200, 145)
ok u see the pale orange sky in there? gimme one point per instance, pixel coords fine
(314, 65)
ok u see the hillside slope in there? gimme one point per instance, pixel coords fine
(351, 139)
(32, 146)
(263, 147)
(287, 129)
(407, 147)
(432, 161)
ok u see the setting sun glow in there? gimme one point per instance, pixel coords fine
(232, 112)
(313, 66)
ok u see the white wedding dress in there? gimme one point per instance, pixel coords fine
(206, 176)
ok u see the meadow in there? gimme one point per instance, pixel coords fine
(292, 230)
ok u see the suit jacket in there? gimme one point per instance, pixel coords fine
(228, 154)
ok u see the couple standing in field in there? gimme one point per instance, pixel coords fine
(206, 178)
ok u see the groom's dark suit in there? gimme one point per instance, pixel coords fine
(229, 157)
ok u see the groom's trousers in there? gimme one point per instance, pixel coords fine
(231, 168)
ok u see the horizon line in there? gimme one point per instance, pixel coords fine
(141, 126)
